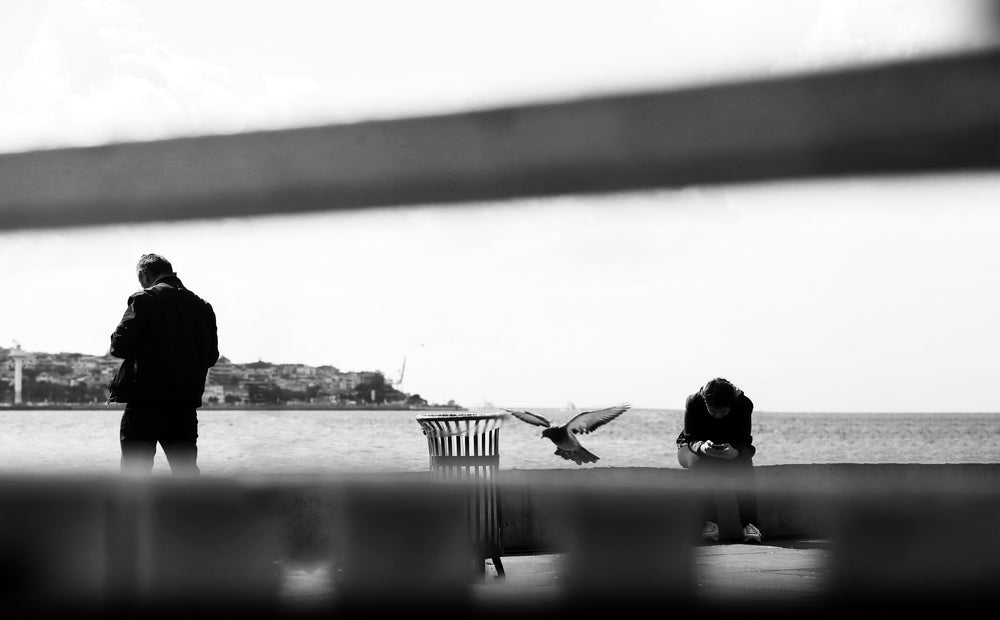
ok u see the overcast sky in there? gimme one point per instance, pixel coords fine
(861, 295)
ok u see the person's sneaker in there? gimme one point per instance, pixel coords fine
(710, 532)
(751, 533)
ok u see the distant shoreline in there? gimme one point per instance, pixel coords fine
(276, 407)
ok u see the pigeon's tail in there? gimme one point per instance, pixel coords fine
(579, 456)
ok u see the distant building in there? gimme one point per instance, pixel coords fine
(214, 391)
(226, 382)
(352, 380)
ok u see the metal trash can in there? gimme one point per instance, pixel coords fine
(466, 446)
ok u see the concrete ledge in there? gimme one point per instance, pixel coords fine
(795, 501)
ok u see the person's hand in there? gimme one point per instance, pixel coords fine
(723, 451)
(707, 448)
(716, 450)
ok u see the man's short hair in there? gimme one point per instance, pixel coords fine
(719, 392)
(154, 265)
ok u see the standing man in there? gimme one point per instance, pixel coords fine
(717, 446)
(170, 335)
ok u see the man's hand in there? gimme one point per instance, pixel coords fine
(715, 450)
(722, 450)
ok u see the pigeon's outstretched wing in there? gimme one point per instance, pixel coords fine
(591, 420)
(530, 418)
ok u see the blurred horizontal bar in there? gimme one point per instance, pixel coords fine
(900, 536)
(938, 114)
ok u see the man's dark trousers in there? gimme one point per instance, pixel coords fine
(173, 425)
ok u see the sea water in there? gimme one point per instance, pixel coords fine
(236, 442)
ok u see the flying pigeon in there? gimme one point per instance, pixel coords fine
(564, 435)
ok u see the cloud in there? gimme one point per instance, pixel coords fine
(863, 31)
(96, 73)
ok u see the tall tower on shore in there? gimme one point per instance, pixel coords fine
(18, 356)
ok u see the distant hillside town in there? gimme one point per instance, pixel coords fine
(78, 378)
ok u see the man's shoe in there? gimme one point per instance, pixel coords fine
(710, 531)
(751, 533)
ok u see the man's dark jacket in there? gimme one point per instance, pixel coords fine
(733, 429)
(171, 334)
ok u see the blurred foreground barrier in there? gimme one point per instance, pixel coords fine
(54, 544)
(109, 545)
(627, 547)
(401, 547)
(899, 538)
(795, 501)
(917, 548)
(204, 545)
(914, 116)
(395, 544)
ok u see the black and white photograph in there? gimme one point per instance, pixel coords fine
(538, 308)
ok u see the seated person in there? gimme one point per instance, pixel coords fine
(716, 444)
